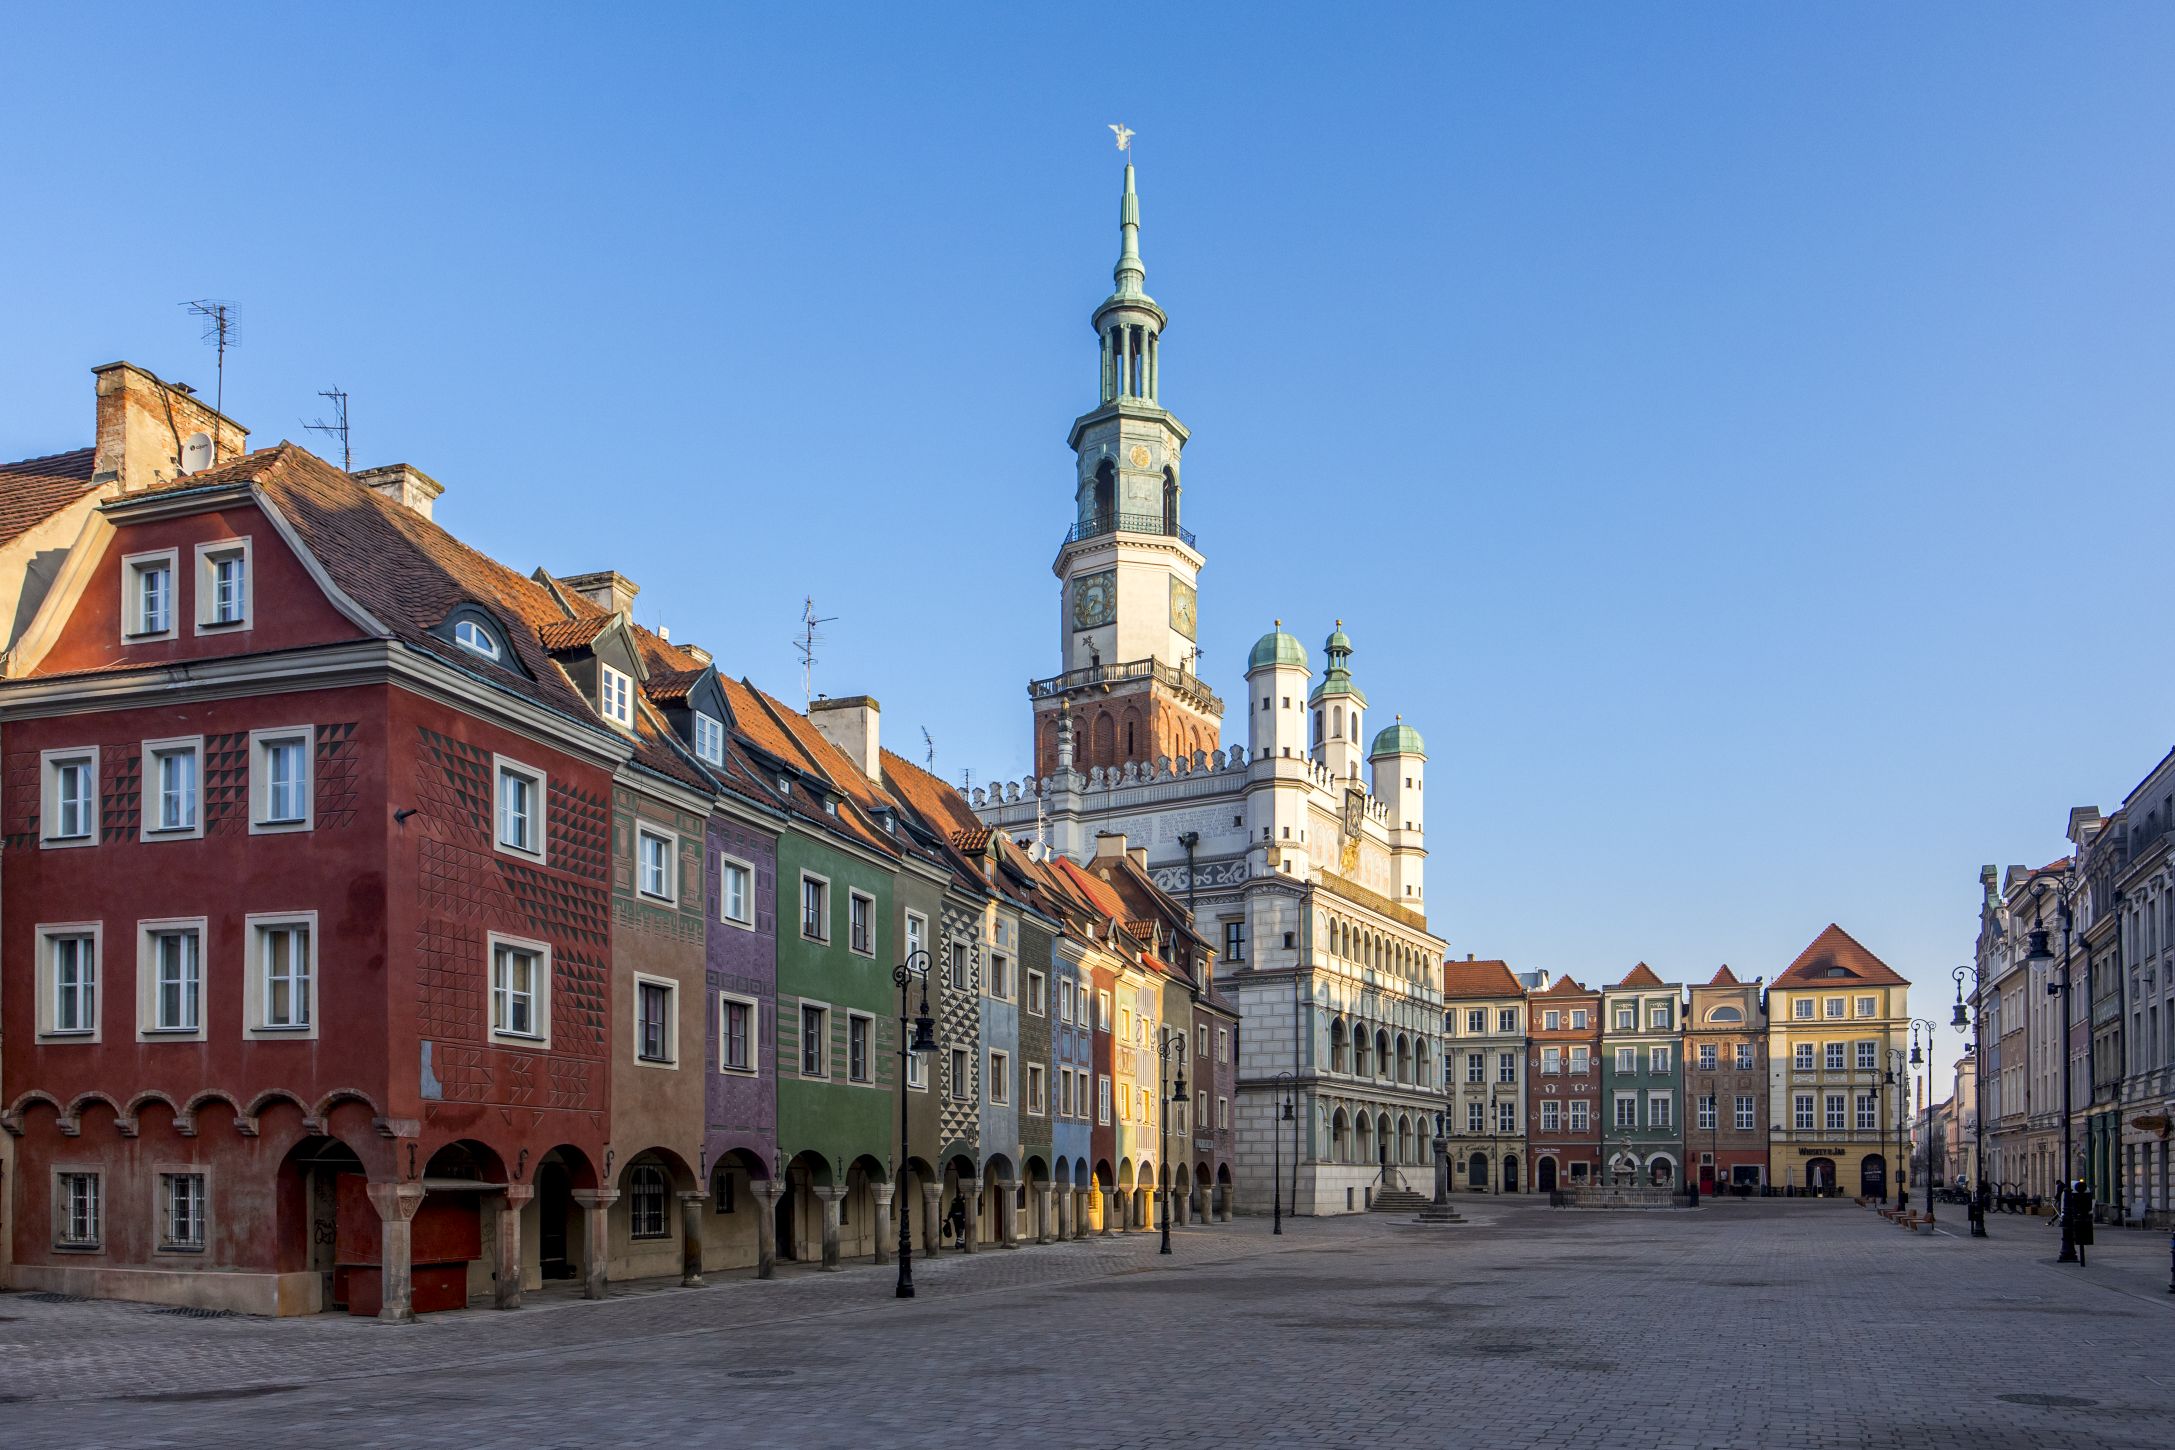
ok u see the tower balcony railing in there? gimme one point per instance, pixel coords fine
(1096, 525)
(1184, 682)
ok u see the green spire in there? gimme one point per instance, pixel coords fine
(1130, 273)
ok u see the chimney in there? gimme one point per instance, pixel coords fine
(608, 589)
(1108, 844)
(702, 656)
(1139, 855)
(851, 725)
(403, 483)
(151, 431)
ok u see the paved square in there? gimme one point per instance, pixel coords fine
(1787, 1324)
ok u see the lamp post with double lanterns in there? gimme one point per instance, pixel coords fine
(1897, 1076)
(914, 968)
(1276, 1155)
(1923, 1056)
(1171, 1045)
(1980, 1194)
(2037, 958)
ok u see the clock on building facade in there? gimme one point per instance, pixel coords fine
(1183, 605)
(1095, 599)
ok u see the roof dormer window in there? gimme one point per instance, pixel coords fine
(222, 585)
(471, 635)
(709, 738)
(616, 696)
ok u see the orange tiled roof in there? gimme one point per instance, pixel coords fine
(1491, 978)
(1567, 987)
(1098, 892)
(35, 489)
(1725, 978)
(1833, 951)
(571, 634)
(667, 685)
(1641, 975)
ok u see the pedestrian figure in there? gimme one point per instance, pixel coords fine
(2077, 1204)
(1903, 1200)
(956, 1220)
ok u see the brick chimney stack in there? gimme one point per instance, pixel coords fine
(404, 484)
(146, 427)
(851, 725)
(607, 589)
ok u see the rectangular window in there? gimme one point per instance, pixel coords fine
(170, 788)
(1102, 1100)
(1476, 1117)
(1627, 1017)
(1835, 1111)
(69, 983)
(1552, 1020)
(1868, 1056)
(857, 1047)
(1581, 1115)
(917, 1071)
(1234, 941)
(1803, 1058)
(222, 585)
(283, 955)
(1627, 1059)
(1035, 1090)
(1627, 1110)
(79, 1216)
(520, 809)
(1034, 995)
(653, 1032)
(1657, 1017)
(1551, 1061)
(1064, 1092)
(1744, 1057)
(1834, 1056)
(1802, 1111)
(1506, 1019)
(174, 955)
(735, 1034)
(148, 598)
(1102, 1011)
(1506, 1067)
(1551, 1115)
(279, 785)
(1661, 1110)
(182, 1227)
(956, 975)
(1223, 1044)
(1223, 1112)
(815, 1032)
(1658, 1060)
(615, 696)
(1802, 1008)
(709, 739)
(1581, 1060)
(1578, 1019)
(519, 973)
(1833, 1006)
(656, 876)
(1506, 1118)
(1707, 1056)
(1706, 1110)
(861, 923)
(1065, 999)
(69, 816)
(1000, 977)
(1868, 1112)
(1125, 1023)
(1000, 1077)
(1868, 1006)
(1744, 1112)
(815, 908)
(962, 1086)
(735, 897)
(1476, 1067)
(1476, 1020)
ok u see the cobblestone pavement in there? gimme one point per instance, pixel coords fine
(1758, 1324)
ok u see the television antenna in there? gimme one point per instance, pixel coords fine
(220, 332)
(810, 636)
(337, 428)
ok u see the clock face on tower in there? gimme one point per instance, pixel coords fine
(1094, 599)
(1182, 608)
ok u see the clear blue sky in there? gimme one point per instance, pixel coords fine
(1738, 436)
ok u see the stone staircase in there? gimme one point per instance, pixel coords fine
(1404, 1200)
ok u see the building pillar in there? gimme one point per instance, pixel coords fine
(766, 1226)
(1180, 1204)
(1080, 1212)
(883, 1223)
(1007, 1225)
(830, 1197)
(932, 1204)
(506, 1271)
(1223, 1211)
(1110, 1209)
(396, 1204)
(970, 1197)
(1046, 1202)
(691, 1239)
(596, 1204)
(1068, 1208)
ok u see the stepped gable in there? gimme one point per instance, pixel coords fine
(1491, 978)
(1836, 956)
(1641, 975)
(35, 489)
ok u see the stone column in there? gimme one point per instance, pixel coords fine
(1223, 1207)
(506, 1272)
(1008, 1229)
(396, 1204)
(1080, 1214)
(830, 1197)
(691, 1239)
(886, 1230)
(970, 1193)
(1064, 1214)
(932, 1202)
(596, 1204)
(1045, 1208)
(766, 1226)
(1179, 1203)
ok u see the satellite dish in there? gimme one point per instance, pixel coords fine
(196, 453)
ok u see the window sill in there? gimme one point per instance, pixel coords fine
(67, 1036)
(523, 852)
(531, 1040)
(180, 1251)
(173, 833)
(726, 1071)
(222, 626)
(62, 843)
(655, 899)
(79, 1248)
(183, 1034)
(736, 921)
(278, 828)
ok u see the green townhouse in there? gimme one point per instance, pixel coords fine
(1642, 1080)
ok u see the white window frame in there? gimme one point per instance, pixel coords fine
(539, 785)
(1102, 1011)
(917, 1071)
(1581, 1115)
(1804, 1057)
(1551, 1116)
(960, 1062)
(1833, 1059)
(1627, 1059)
(1223, 1112)
(645, 833)
(747, 896)
(867, 1026)
(539, 1039)
(133, 568)
(1868, 1056)
(1744, 1108)
(1000, 976)
(256, 985)
(1866, 1006)
(1661, 1110)
(1038, 1004)
(260, 779)
(709, 738)
(823, 1040)
(1551, 1061)
(1506, 1117)
(163, 1180)
(823, 913)
(1742, 1057)
(1102, 1099)
(1038, 1093)
(1804, 1112)
(1801, 1009)
(63, 1216)
(753, 1067)
(1506, 1019)
(49, 985)
(671, 1060)
(1837, 1110)
(1832, 1008)
(1658, 1060)
(1627, 1110)
(153, 752)
(473, 636)
(615, 695)
(1000, 1077)
(1476, 1117)
(209, 554)
(147, 979)
(858, 898)
(50, 765)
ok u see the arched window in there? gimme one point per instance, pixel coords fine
(1360, 1043)
(1103, 744)
(1724, 1014)
(1340, 1142)
(1337, 1043)
(1382, 1051)
(1336, 723)
(1317, 727)
(1170, 502)
(646, 1197)
(470, 635)
(1106, 496)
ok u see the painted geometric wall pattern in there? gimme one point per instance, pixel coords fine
(19, 778)
(337, 764)
(959, 1115)
(122, 810)
(226, 783)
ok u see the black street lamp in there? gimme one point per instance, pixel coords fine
(1173, 1044)
(1714, 1138)
(1925, 1057)
(1897, 1075)
(1276, 1155)
(2038, 957)
(923, 1040)
(1442, 1158)
(1981, 1196)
